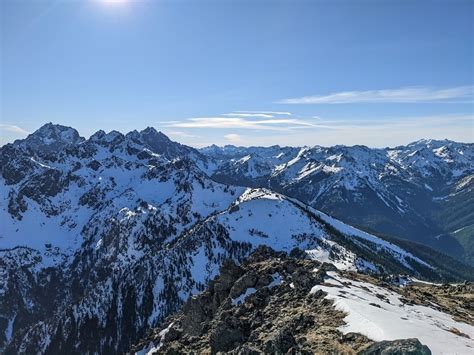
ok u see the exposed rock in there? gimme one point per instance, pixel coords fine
(279, 316)
(281, 342)
(248, 280)
(298, 253)
(304, 280)
(456, 300)
(228, 334)
(397, 347)
(229, 272)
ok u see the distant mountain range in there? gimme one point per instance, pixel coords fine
(102, 238)
(423, 192)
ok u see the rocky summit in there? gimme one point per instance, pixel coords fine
(275, 303)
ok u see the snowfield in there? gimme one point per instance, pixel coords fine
(268, 213)
(387, 318)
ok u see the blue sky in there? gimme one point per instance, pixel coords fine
(242, 72)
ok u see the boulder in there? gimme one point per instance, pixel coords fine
(397, 347)
(281, 342)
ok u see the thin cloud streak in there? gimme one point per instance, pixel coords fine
(256, 115)
(240, 123)
(13, 129)
(419, 94)
(10, 132)
(181, 134)
(391, 132)
(282, 113)
(233, 138)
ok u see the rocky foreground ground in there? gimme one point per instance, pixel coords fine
(269, 305)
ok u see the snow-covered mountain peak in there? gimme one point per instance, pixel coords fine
(50, 138)
(159, 143)
(429, 143)
(397, 191)
(150, 133)
(108, 236)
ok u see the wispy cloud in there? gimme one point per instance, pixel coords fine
(10, 132)
(417, 94)
(387, 131)
(278, 113)
(276, 124)
(181, 134)
(233, 138)
(256, 115)
(13, 129)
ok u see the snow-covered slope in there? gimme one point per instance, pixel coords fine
(381, 314)
(396, 191)
(149, 281)
(102, 238)
(73, 209)
(129, 256)
(263, 217)
(51, 203)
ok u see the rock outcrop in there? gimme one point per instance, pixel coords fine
(397, 347)
(265, 306)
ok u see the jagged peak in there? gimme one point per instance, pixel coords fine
(112, 135)
(160, 143)
(428, 143)
(49, 130)
(97, 136)
(150, 133)
(135, 135)
(50, 138)
(102, 137)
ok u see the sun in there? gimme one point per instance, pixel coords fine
(113, 2)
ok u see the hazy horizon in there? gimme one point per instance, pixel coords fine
(251, 145)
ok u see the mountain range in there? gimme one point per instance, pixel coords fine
(102, 238)
(422, 192)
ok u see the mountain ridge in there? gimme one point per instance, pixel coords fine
(404, 191)
(111, 235)
(275, 302)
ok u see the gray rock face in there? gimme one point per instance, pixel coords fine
(397, 347)
(228, 334)
(273, 319)
(284, 317)
(305, 281)
(51, 138)
(243, 283)
(281, 342)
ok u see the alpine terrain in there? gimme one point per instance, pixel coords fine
(423, 192)
(103, 240)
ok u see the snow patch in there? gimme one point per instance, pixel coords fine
(241, 299)
(389, 319)
(151, 348)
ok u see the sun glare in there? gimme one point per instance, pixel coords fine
(113, 2)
